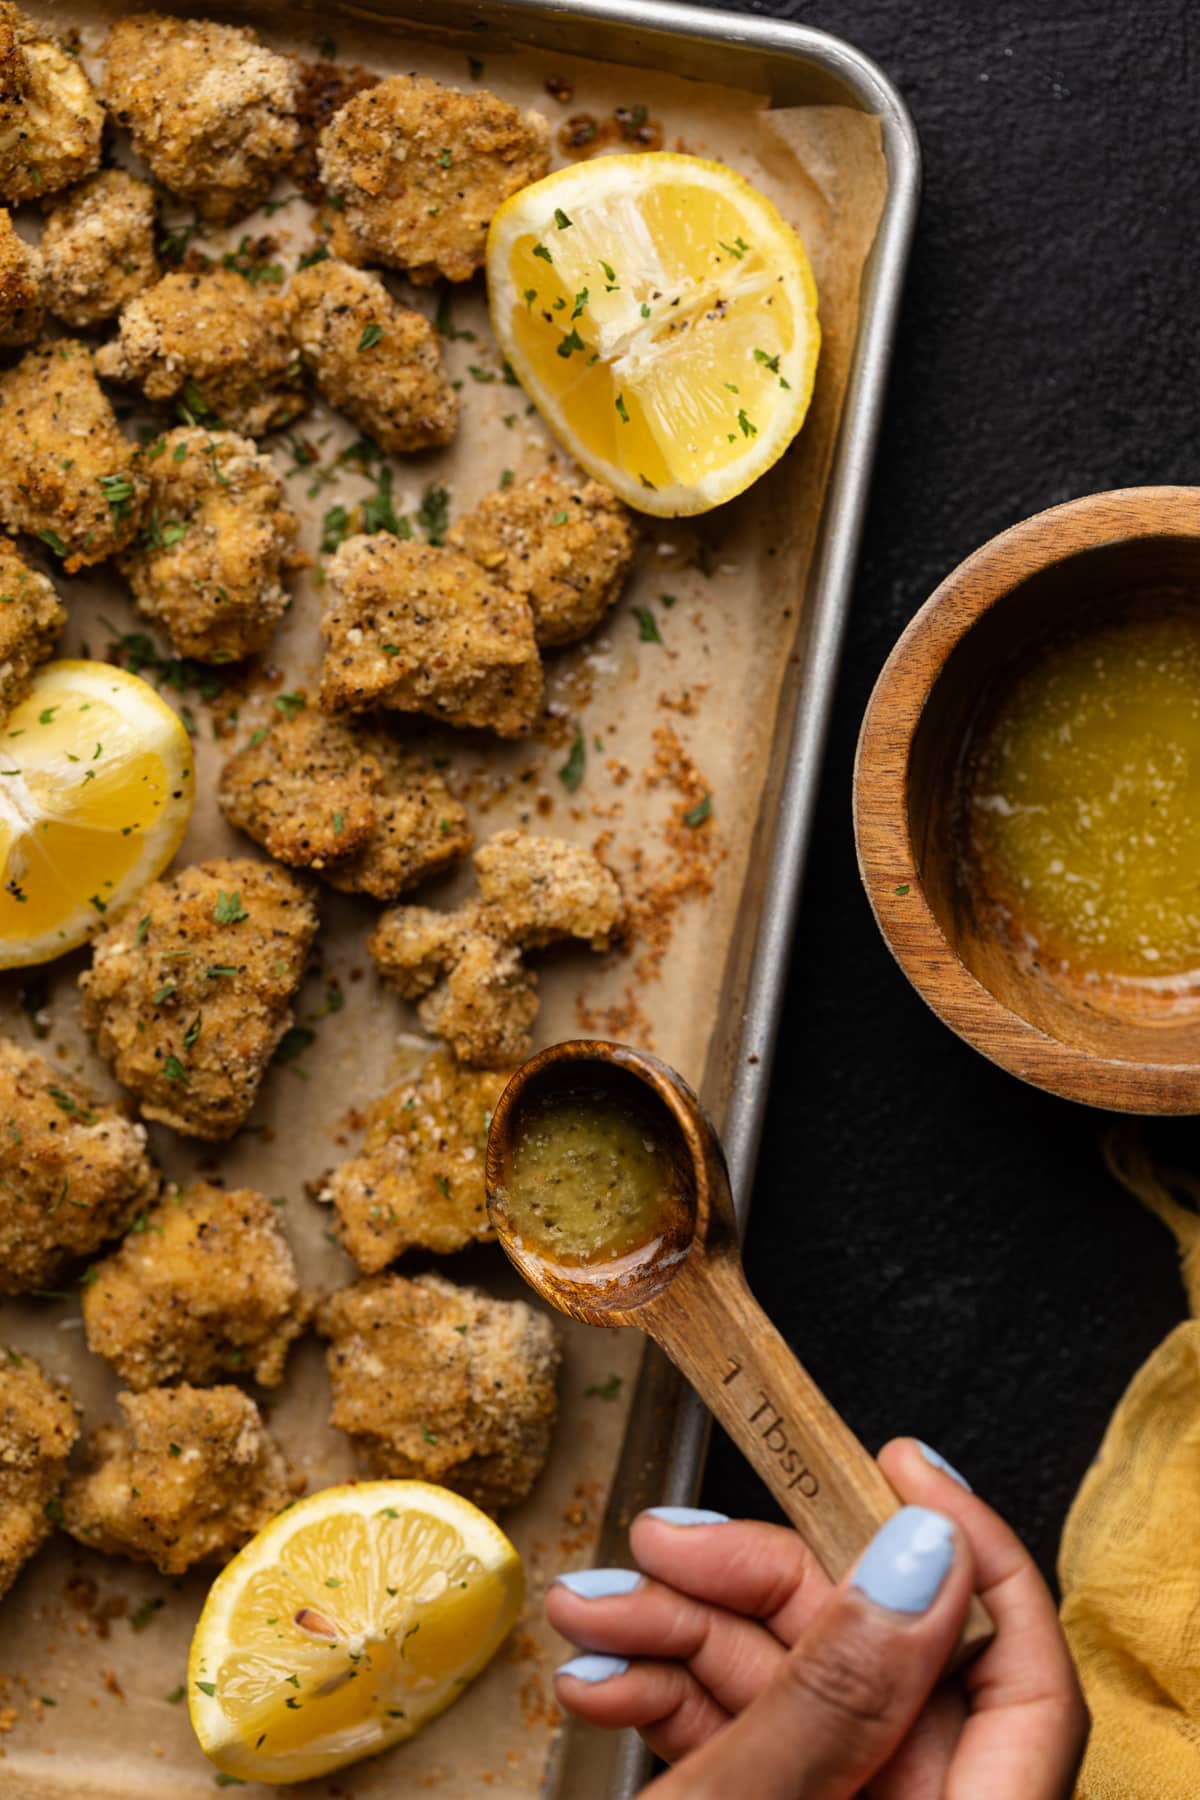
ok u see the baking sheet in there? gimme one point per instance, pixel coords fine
(695, 714)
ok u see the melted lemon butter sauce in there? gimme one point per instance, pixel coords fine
(591, 1180)
(1083, 800)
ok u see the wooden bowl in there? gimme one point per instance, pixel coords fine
(1120, 1048)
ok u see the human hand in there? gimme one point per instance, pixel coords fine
(732, 1652)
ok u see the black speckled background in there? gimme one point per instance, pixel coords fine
(941, 1243)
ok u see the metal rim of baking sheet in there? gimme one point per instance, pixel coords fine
(785, 61)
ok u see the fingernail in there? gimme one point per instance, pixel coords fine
(594, 1667)
(939, 1462)
(599, 1584)
(906, 1561)
(686, 1515)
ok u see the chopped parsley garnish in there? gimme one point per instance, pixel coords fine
(610, 274)
(164, 993)
(176, 1451)
(290, 704)
(229, 909)
(431, 1437)
(143, 928)
(506, 478)
(561, 518)
(294, 1042)
(768, 362)
(194, 408)
(619, 403)
(118, 492)
(478, 374)
(142, 1615)
(749, 429)
(541, 250)
(433, 514)
(372, 334)
(176, 1695)
(55, 542)
(738, 247)
(902, 889)
(571, 773)
(648, 630)
(193, 1032)
(445, 321)
(334, 527)
(529, 296)
(571, 343)
(174, 1070)
(250, 265)
(444, 157)
(326, 48)
(561, 219)
(206, 1687)
(320, 254)
(69, 1104)
(645, 310)
(581, 300)
(696, 815)
(605, 1390)
(378, 512)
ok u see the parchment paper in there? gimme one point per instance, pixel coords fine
(695, 714)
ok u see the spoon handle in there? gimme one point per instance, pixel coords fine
(831, 1489)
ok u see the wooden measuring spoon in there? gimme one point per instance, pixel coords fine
(686, 1289)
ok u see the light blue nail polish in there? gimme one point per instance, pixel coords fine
(593, 1667)
(939, 1462)
(599, 1584)
(906, 1561)
(686, 1515)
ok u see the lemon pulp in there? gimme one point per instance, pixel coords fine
(347, 1623)
(663, 318)
(96, 789)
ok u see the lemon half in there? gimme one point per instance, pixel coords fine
(663, 318)
(96, 789)
(347, 1623)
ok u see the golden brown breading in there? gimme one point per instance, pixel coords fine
(50, 118)
(566, 549)
(443, 1383)
(67, 473)
(420, 169)
(472, 990)
(539, 890)
(211, 110)
(98, 246)
(189, 1001)
(346, 799)
(324, 88)
(418, 1183)
(465, 969)
(425, 630)
(378, 362)
(203, 1286)
(216, 344)
(22, 273)
(187, 1478)
(38, 1426)
(31, 617)
(73, 1171)
(218, 533)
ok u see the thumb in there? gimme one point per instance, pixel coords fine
(855, 1680)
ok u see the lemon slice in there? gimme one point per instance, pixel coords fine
(663, 318)
(96, 789)
(352, 1619)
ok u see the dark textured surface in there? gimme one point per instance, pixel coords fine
(940, 1243)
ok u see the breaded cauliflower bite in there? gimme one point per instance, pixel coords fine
(187, 1477)
(22, 274)
(419, 169)
(212, 111)
(419, 1182)
(217, 536)
(466, 970)
(215, 344)
(38, 1426)
(443, 1383)
(74, 1171)
(31, 618)
(50, 119)
(377, 361)
(567, 549)
(67, 473)
(189, 1001)
(345, 799)
(98, 247)
(422, 629)
(204, 1286)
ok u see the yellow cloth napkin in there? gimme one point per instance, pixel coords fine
(1129, 1565)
